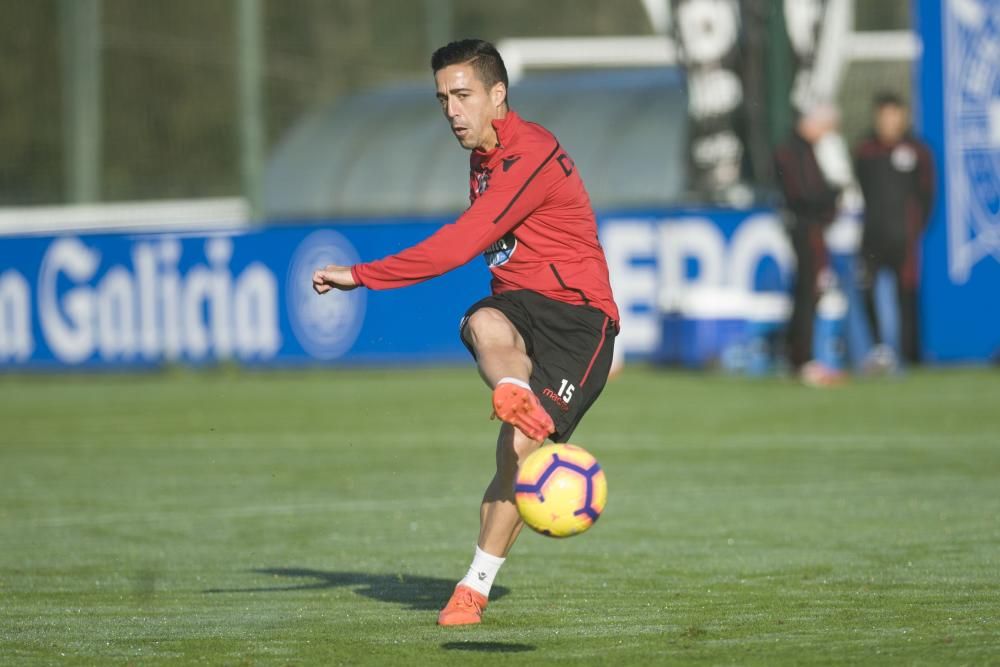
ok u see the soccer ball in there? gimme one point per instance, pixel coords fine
(560, 490)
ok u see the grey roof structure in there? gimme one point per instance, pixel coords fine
(389, 152)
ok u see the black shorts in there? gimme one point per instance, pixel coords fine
(570, 348)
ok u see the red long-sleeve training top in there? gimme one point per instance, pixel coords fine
(531, 218)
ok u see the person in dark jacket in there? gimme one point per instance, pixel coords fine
(896, 175)
(811, 205)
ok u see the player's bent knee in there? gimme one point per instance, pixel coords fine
(490, 326)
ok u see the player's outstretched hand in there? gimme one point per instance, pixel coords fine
(333, 277)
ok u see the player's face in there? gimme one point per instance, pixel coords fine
(890, 123)
(469, 107)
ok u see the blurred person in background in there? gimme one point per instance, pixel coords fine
(544, 339)
(896, 175)
(813, 167)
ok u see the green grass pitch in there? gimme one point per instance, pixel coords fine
(323, 518)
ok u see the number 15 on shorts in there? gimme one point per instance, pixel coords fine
(566, 391)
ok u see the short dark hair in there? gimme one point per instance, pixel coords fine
(887, 98)
(483, 56)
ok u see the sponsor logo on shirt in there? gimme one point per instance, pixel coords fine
(500, 252)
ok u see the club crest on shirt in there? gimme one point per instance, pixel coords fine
(500, 252)
(482, 181)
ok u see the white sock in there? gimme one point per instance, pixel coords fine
(519, 383)
(482, 572)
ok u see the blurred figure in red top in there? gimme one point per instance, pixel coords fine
(813, 167)
(544, 339)
(896, 175)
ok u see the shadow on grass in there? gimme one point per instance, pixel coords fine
(487, 647)
(415, 592)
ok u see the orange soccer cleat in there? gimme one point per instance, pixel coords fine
(518, 406)
(464, 608)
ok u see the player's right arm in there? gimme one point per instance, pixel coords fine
(333, 277)
(512, 196)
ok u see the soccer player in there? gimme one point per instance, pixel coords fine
(896, 174)
(543, 340)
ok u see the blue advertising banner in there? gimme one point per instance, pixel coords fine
(120, 300)
(117, 300)
(714, 264)
(959, 116)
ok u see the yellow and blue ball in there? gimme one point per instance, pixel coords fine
(560, 490)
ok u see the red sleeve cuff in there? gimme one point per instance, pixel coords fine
(357, 276)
